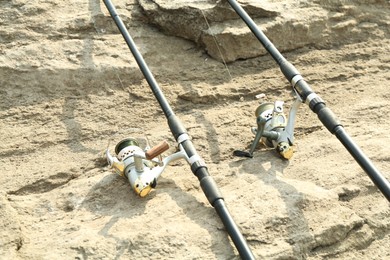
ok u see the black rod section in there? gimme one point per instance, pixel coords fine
(316, 104)
(198, 166)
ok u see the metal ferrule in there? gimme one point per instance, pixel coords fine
(182, 138)
(310, 97)
(313, 99)
(295, 80)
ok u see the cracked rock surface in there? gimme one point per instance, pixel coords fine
(70, 88)
(292, 24)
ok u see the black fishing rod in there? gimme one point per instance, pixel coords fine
(198, 166)
(316, 104)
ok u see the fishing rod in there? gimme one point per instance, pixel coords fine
(187, 149)
(305, 95)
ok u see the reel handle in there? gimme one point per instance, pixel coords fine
(157, 150)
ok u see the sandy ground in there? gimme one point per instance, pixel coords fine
(68, 87)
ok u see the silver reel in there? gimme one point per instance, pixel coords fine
(142, 167)
(273, 129)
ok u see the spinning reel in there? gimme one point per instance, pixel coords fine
(273, 129)
(142, 167)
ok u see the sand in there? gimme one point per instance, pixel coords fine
(70, 88)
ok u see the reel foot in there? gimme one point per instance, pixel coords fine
(239, 153)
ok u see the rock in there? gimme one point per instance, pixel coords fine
(288, 24)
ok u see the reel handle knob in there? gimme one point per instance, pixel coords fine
(157, 150)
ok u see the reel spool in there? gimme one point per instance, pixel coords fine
(141, 167)
(273, 129)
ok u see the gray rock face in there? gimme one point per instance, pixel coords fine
(289, 24)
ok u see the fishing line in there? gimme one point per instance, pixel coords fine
(216, 44)
(99, 33)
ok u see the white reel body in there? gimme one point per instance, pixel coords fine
(140, 167)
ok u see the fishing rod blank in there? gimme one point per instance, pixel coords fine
(198, 166)
(316, 104)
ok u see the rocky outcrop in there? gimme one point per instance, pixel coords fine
(288, 24)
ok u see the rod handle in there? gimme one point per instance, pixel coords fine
(157, 150)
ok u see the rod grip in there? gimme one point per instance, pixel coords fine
(157, 150)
